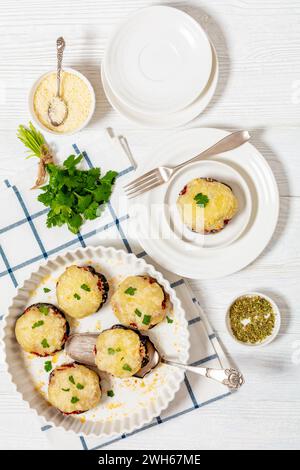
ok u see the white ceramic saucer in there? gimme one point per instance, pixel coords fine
(187, 259)
(158, 61)
(166, 121)
(223, 173)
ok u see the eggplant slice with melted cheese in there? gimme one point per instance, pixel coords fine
(81, 291)
(206, 205)
(121, 351)
(74, 388)
(140, 302)
(42, 329)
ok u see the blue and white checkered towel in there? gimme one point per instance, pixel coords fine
(25, 241)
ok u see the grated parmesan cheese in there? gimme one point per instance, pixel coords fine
(74, 92)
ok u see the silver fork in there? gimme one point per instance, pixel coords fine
(163, 174)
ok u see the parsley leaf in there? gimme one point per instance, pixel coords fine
(48, 366)
(130, 290)
(127, 367)
(146, 319)
(74, 400)
(44, 310)
(169, 320)
(46, 290)
(201, 199)
(111, 351)
(110, 393)
(45, 343)
(79, 386)
(76, 296)
(37, 324)
(85, 287)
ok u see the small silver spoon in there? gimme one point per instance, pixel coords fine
(80, 347)
(58, 110)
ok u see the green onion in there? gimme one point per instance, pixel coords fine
(127, 367)
(79, 386)
(111, 351)
(65, 389)
(138, 312)
(169, 320)
(110, 393)
(74, 399)
(77, 297)
(46, 290)
(71, 379)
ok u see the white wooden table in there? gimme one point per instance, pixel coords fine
(257, 42)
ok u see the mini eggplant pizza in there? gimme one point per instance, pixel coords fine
(206, 205)
(74, 388)
(140, 302)
(42, 329)
(81, 291)
(120, 351)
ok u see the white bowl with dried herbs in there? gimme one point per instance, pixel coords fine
(253, 319)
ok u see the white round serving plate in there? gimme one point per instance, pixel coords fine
(32, 93)
(223, 173)
(192, 261)
(167, 120)
(136, 401)
(158, 61)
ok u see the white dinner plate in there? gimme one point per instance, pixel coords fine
(187, 259)
(223, 173)
(135, 401)
(158, 61)
(167, 121)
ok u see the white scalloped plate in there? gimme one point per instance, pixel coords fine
(136, 401)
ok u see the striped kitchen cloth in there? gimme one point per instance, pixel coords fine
(25, 241)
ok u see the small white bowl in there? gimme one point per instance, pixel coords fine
(276, 326)
(32, 93)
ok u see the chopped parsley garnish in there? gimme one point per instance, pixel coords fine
(146, 319)
(71, 379)
(85, 287)
(127, 367)
(46, 290)
(65, 389)
(74, 399)
(76, 296)
(169, 320)
(43, 309)
(79, 386)
(201, 199)
(48, 366)
(111, 351)
(130, 290)
(45, 344)
(37, 324)
(110, 393)
(138, 312)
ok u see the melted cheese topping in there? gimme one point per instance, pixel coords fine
(222, 205)
(69, 285)
(88, 396)
(30, 334)
(118, 351)
(75, 94)
(147, 300)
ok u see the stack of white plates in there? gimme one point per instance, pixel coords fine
(159, 68)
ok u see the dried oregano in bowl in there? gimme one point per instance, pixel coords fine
(253, 319)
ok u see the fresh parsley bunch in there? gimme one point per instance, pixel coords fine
(75, 195)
